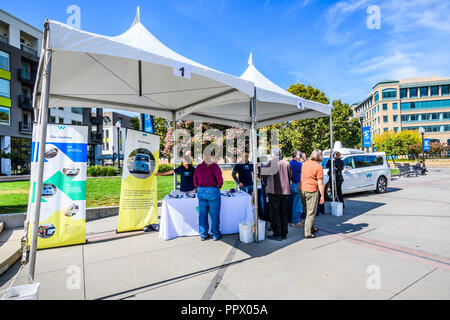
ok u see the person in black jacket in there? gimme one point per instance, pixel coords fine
(338, 167)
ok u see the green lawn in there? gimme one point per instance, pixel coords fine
(395, 171)
(100, 192)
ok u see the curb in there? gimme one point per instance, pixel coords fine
(17, 220)
(9, 261)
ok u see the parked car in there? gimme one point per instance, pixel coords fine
(362, 171)
(141, 163)
(51, 152)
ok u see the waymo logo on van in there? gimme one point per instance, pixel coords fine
(369, 175)
(61, 127)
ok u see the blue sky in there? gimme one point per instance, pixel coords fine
(326, 44)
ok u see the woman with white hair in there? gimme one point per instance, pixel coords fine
(311, 183)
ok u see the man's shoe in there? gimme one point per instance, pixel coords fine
(283, 237)
(217, 238)
(205, 238)
(272, 237)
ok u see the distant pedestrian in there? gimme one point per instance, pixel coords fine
(279, 174)
(338, 167)
(311, 184)
(208, 180)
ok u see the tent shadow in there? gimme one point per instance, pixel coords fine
(328, 224)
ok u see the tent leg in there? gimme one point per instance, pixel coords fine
(253, 143)
(332, 162)
(175, 152)
(42, 125)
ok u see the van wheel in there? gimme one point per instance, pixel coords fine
(328, 194)
(381, 185)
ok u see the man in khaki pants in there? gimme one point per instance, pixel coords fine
(311, 184)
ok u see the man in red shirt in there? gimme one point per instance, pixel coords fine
(208, 181)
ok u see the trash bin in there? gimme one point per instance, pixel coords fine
(337, 209)
(246, 232)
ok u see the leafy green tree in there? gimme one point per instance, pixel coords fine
(135, 123)
(395, 144)
(309, 134)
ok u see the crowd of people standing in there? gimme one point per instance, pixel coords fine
(294, 191)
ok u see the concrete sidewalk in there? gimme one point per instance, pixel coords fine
(401, 235)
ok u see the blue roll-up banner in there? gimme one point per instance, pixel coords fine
(426, 144)
(149, 124)
(367, 137)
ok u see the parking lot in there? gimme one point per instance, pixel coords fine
(390, 246)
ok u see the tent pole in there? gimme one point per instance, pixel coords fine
(42, 125)
(253, 143)
(332, 160)
(175, 151)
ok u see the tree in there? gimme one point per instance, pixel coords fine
(437, 148)
(395, 144)
(135, 123)
(309, 134)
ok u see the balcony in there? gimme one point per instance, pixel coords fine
(4, 39)
(96, 137)
(25, 127)
(25, 103)
(25, 76)
(29, 50)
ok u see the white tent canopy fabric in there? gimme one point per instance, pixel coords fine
(274, 105)
(133, 71)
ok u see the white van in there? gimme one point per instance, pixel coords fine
(362, 171)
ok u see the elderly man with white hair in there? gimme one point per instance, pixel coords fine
(279, 174)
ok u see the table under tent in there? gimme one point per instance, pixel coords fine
(136, 72)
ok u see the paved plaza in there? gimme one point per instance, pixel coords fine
(390, 246)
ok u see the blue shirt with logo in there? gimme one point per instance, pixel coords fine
(187, 178)
(245, 173)
(296, 167)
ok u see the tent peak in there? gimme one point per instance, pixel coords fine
(137, 19)
(250, 59)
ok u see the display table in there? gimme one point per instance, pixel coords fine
(179, 217)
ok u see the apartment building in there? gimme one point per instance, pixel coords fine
(114, 137)
(408, 104)
(20, 45)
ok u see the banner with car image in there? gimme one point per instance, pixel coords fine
(63, 204)
(139, 193)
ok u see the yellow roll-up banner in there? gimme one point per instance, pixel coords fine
(62, 219)
(139, 193)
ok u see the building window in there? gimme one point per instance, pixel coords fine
(396, 129)
(4, 60)
(385, 107)
(61, 121)
(77, 110)
(385, 119)
(5, 90)
(385, 129)
(434, 91)
(403, 93)
(395, 106)
(78, 123)
(376, 97)
(4, 116)
(435, 104)
(389, 94)
(52, 119)
(445, 90)
(424, 92)
(395, 118)
(62, 109)
(413, 92)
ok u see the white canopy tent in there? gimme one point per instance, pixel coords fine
(136, 72)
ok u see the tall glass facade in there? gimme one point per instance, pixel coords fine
(403, 93)
(389, 94)
(425, 105)
(424, 92)
(413, 92)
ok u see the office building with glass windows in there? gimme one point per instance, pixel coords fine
(20, 45)
(408, 104)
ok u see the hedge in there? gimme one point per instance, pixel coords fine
(99, 171)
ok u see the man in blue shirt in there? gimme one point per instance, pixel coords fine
(243, 175)
(297, 208)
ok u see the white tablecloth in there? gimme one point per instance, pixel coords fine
(179, 217)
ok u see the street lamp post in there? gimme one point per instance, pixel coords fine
(118, 125)
(422, 132)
